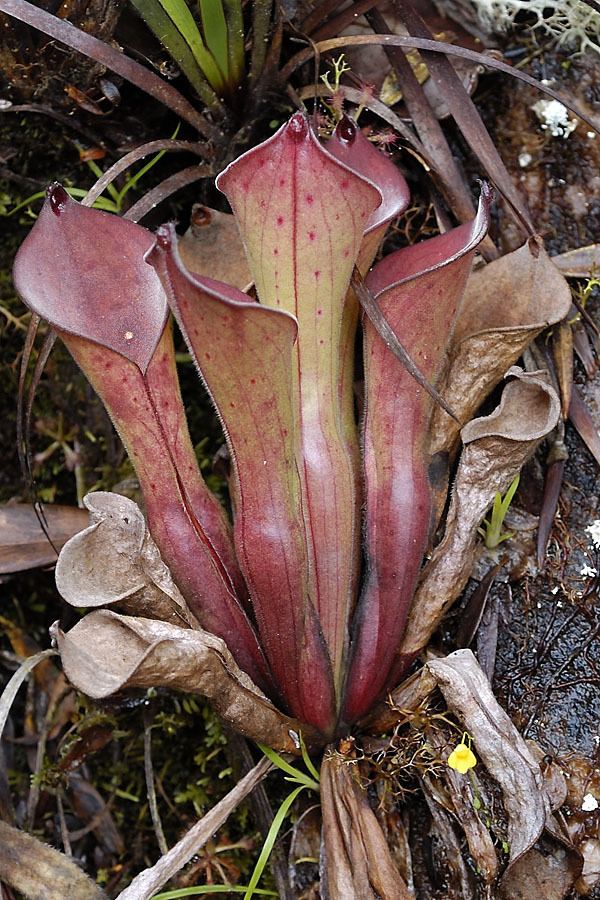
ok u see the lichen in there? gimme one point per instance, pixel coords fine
(573, 23)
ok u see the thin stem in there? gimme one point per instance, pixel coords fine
(151, 789)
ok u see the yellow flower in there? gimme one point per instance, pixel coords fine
(462, 759)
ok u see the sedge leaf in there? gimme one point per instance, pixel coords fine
(270, 840)
(215, 33)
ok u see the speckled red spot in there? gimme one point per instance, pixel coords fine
(310, 198)
(312, 235)
(319, 312)
(280, 220)
(207, 355)
(317, 273)
(345, 184)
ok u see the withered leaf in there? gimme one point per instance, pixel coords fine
(37, 870)
(562, 352)
(115, 562)
(358, 863)
(536, 874)
(498, 744)
(506, 304)
(212, 246)
(585, 423)
(579, 263)
(90, 808)
(23, 544)
(496, 448)
(456, 794)
(107, 652)
(459, 884)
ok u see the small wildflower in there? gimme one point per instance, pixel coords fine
(589, 803)
(588, 571)
(594, 532)
(462, 757)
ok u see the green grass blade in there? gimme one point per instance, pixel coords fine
(95, 168)
(512, 490)
(270, 841)
(181, 16)
(281, 763)
(165, 30)
(308, 761)
(211, 889)
(235, 40)
(133, 180)
(101, 203)
(215, 33)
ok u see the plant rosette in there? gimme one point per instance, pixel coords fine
(297, 617)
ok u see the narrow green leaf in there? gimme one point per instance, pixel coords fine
(97, 171)
(211, 889)
(285, 766)
(509, 495)
(101, 203)
(181, 16)
(270, 841)
(167, 32)
(235, 40)
(308, 761)
(133, 179)
(215, 33)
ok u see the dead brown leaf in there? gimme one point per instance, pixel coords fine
(106, 652)
(506, 304)
(37, 870)
(212, 246)
(579, 263)
(496, 448)
(479, 839)
(447, 852)
(499, 745)
(23, 544)
(562, 353)
(90, 808)
(358, 863)
(115, 562)
(541, 875)
(590, 875)
(582, 419)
